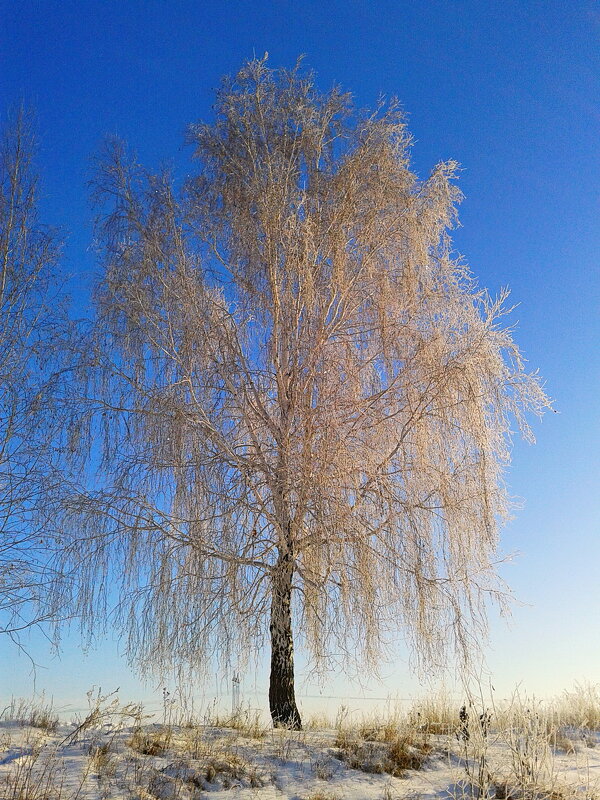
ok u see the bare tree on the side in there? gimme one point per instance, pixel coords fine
(32, 359)
(306, 399)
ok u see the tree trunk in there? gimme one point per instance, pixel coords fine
(282, 699)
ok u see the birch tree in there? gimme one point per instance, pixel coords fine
(32, 360)
(306, 399)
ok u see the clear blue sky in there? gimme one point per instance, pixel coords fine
(509, 89)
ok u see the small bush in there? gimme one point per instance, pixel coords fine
(358, 754)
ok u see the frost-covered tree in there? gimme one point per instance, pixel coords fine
(33, 328)
(306, 400)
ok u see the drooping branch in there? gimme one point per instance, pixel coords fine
(293, 369)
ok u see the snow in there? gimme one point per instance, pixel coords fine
(185, 763)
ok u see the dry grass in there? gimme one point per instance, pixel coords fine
(45, 719)
(323, 768)
(382, 751)
(192, 742)
(405, 753)
(580, 707)
(437, 714)
(322, 796)
(561, 741)
(318, 722)
(246, 722)
(33, 777)
(100, 758)
(35, 713)
(382, 732)
(530, 734)
(223, 770)
(529, 737)
(229, 769)
(151, 743)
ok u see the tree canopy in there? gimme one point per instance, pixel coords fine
(34, 363)
(305, 399)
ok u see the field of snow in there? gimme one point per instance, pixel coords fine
(116, 753)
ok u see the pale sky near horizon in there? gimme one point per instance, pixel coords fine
(509, 89)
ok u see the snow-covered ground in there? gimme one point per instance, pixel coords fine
(114, 756)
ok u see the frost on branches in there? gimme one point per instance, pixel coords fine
(306, 401)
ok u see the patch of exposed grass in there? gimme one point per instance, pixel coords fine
(322, 796)
(405, 753)
(150, 743)
(580, 707)
(437, 714)
(323, 768)
(44, 719)
(36, 714)
(385, 732)
(392, 755)
(247, 723)
(224, 770)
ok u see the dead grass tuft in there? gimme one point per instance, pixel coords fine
(35, 713)
(224, 770)
(44, 719)
(386, 732)
(383, 753)
(150, 743)
(247, 722)
(100, 758)
(323, 769)
(323, 796)
(405, 753)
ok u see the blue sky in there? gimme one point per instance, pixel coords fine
(509, 89)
